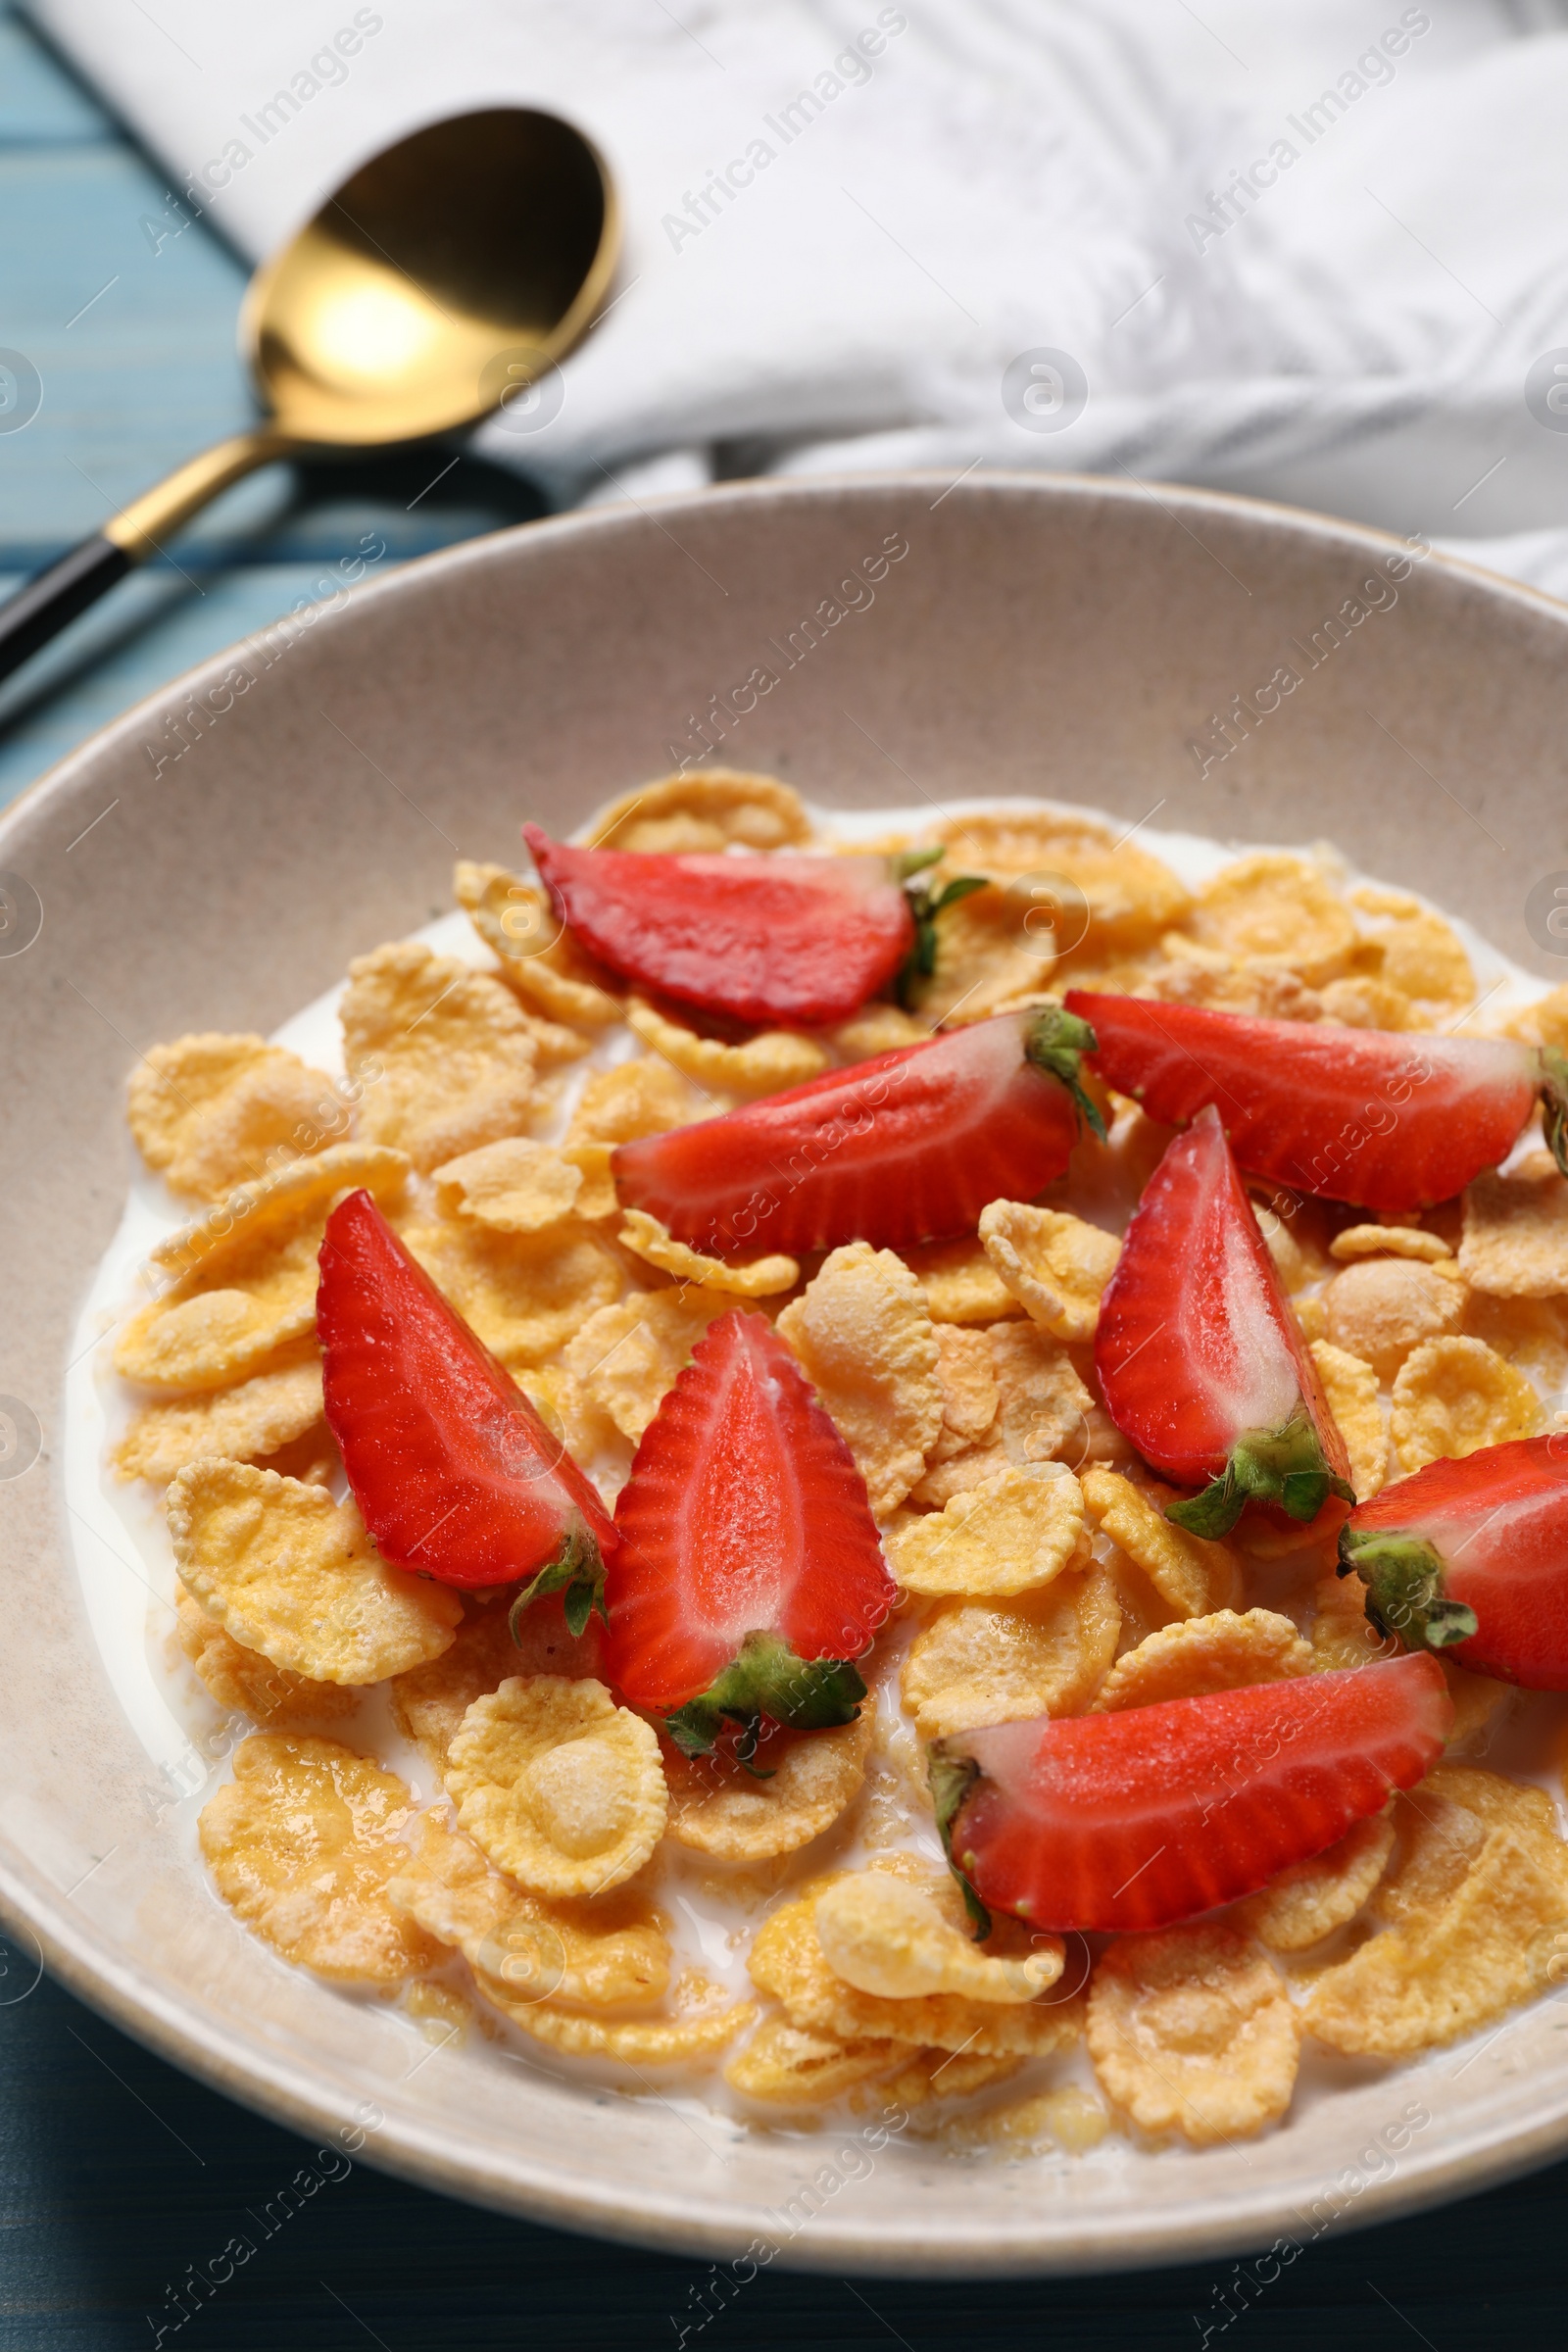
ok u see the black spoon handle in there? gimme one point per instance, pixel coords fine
(41, 610)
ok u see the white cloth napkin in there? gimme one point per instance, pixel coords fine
(1313, 249)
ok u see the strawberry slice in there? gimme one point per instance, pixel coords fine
(1473, 1555)
(1383, 1120)
(748, 1573)
(908, 1146)
(455, 1472)
(1149, 1817)
(774, 938)
(1200, 1361)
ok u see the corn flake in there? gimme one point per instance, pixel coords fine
(1044, 1653)
(718, 1808)
(1271, 907)
(302, 1844)
(644, 1096)
(765, 1064)
(1191, 2029)
(1012, 1535)
(1128, 898)
(627, 1356)
(513, 1187)
(960, 1283)
(243, 1679)
(1454, 1395)
(597, 1198)
(1389, 1241)
(444, 1054)
(1197, 1655)
(598, 1954)
(525, 1295)
(763, 1278)
(1265, 992)
(682, 2041)
(1069, 2118)
(865, 1341)
(1350, 1389)
(561, 1788)
(888, 1936)
(971, 1396)
(238, 1424)
(1342, 1634)
(247, 1274)
(789, 2068)
(876, 1029)
(688, 815)
(212, 1113)
(927, 2076)
(1042, 1404)
(1415, 952)
(1192, 1576)
(291, 1573)
(1360, 1001)
(539, 958)
(1310, 1899)
(1383, 1308)
(429, 1701)
(788, 1961)
(985, 958)
(1055, 1264)
(1515, 1242)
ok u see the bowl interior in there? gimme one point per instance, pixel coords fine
(301, 799)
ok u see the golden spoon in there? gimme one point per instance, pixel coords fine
(439, 282)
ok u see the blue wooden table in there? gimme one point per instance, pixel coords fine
(117, 2174)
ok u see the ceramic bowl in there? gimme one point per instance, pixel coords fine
(289, 806)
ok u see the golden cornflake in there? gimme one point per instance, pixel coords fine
(1055, 1264)
(926, 2075)
(514, 1186)
(539, 958)
(985, 958)
(212, 1113)
(597, 1198)
(1343, 1633)
(682, 2041)
(1531, 1334)
(1115, 897)
(444, 1054)
(525, 1295)
(876, 1029)
(1452, 1397)
(291, 1573)
(1042, 1404)
(598, 1954)
(1476, 1699)
(1351, 1388)
(1265, 992)
(1390, 1241)
(1046, 1653)
(1515, 1242)
(647, 1239)
(1191, 2029)
(865, 1341)
(1192, 1576)
(788, 1961)
(794, 2069)
(1196, 1656)
(718, 1808)
(960, 1283)
(1360, 1001)
(561, 1787)
(888, 1936)
(429, 1702)
(1310, 1899)
(237, 1425)
(765, 1066)
(1275, 908)
(971, 1397)
(627, 1356)
(1383, 1308)
(687, 815)
(1012, 1535)
(302, 1844)
(247, 1273)
(645, 1097)
(1071, 2118)
(243, 1678)
(1414, 951)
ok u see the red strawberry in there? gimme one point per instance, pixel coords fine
(1148, 1817)
(1385, 1121)
(457, 1476)
(776, 938)
(1200, 1361)
(906, 1148)
(749, 1572)
(1473, 1555)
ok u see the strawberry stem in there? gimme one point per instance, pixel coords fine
(1056, 1042)
(768, 1679)
(1283, 1466)
(926, 903)
(1404, 1595)
(952, 1776)
(1554, 1103)
(578, 1571)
